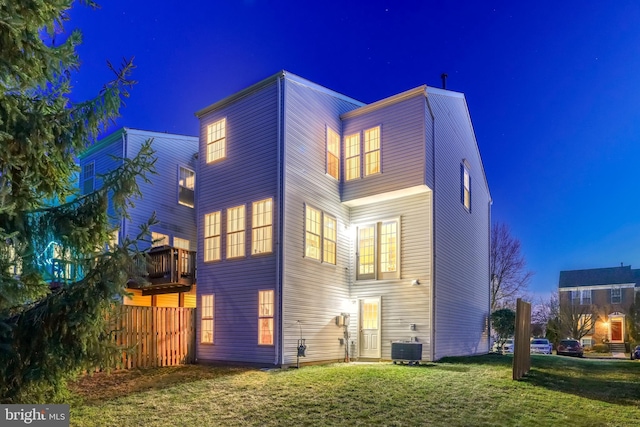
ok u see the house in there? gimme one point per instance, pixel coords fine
(598, 301)
(170, 195)
(330, 229)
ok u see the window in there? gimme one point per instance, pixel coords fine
(465, 187)
(372, 151)
(235, 232)
(216, 141)
(159, 239)
(88, 178)
(333, 153)
(329, 239)
(586, 323)
(616, 295)
(585, 297)
(206, 319)
(587, 342)
(212, 236)
(378, 251)
(114, 239)
(181, 243)
(186, 186)
(313, 218)
(262, 220)
(265, 317)
(352, 154)
(15, 262)
(320, 235)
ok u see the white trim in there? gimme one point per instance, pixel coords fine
(598, 287)
(390, 195)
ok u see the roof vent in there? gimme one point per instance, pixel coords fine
(444, 76)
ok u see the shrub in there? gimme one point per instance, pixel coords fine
(601, 348)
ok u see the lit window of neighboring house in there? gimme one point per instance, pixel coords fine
(186, 186)
(320, 235)
(372, 151)
(616, 295)
(159, 239)
(352, 155)
(333, 153)
(585, 297)
(206, 319)
(235, 232)
(216, 141)
(181, 243)
(212, 236)
(265, 317)
(15, 262)
(262, 230)
(465, 187)
(88, 177)
(378, 251)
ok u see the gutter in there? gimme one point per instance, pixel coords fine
(433, 228)
(278, 349)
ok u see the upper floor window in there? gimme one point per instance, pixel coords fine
(88, 177)
(465, 186)
(377, 254)
(186, 186)
(212, 236)
(159, 239)
(581, 297)
(216, 141)
(206, 319)
(265, 317)
(616, 295)
(262, 220)
(372, 151)
(320, 235)
(352, 156)
(235, 232)
(333, 153)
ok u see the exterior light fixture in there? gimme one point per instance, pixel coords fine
(415, 282)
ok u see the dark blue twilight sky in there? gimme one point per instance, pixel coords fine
(553, 89)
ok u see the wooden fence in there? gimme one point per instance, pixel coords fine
(155, 336)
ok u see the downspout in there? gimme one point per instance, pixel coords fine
(279, 352)
(123, 222)
(433, 229)
(490, 202)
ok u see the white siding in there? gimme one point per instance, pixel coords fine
(161, 194)
(402, 304)
(403, 157)
(462, 237)
(247, 174)
(313, 292)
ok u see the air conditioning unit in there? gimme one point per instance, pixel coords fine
(403, 351)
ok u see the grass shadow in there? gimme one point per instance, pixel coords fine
(101, 386)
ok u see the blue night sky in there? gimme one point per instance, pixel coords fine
(552, 88)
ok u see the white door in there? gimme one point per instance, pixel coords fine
(370, 328)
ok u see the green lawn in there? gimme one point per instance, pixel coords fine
(472, 391)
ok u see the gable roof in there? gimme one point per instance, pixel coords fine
(599, 276)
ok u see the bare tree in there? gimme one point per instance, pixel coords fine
(576, 320)
(509, 274)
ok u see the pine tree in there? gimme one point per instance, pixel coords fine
(46, 336)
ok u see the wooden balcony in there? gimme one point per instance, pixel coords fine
(168, 270)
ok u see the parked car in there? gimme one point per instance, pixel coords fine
(540, 346)
(570, 348)
(635, 353)
(507, 347)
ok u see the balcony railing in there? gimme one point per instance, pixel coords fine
(166, 269)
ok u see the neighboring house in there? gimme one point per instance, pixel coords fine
(603, 295)
(170, 195)
(317, 211)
